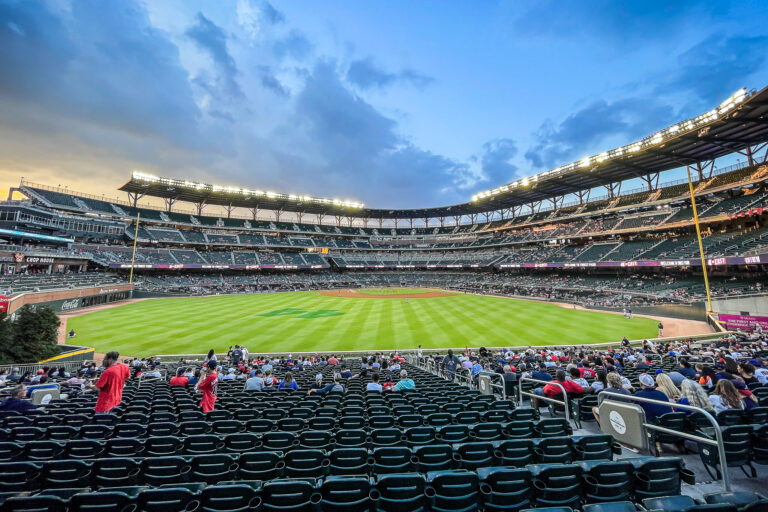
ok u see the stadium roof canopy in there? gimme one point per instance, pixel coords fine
(736, 124)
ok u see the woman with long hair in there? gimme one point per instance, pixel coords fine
(665, 385)
(693, 394)
(601, 381)
(210, 357)
(288, 382)
(708, 377)
(726, 397)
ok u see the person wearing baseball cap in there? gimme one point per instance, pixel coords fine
(256, 382)
(648, 390)
(318, 382)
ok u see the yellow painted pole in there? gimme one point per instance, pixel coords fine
(698, 236)
(135, 239)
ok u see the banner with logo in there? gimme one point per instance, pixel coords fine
(743, 322)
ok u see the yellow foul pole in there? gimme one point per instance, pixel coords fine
(698, 236)
(136, 238)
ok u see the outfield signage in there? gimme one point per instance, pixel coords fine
(179, 266)
(743, 322)
(695, 262)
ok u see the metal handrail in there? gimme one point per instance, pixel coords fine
(545, 398)
(501, 386)
(718, 441)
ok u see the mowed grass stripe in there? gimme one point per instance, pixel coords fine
(195, 324)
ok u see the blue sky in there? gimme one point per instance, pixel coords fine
(396, 104)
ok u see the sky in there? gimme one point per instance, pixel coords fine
(395, 104)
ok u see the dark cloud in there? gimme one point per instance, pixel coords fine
(717, 66)
(582, 132)
(210, 38)
(100, 64)
(270, 14)
(622, 21)
(293, 45)
(496, 161)
(358, 148)
(364, 74)
(269, 81)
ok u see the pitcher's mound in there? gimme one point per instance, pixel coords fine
(353, 294)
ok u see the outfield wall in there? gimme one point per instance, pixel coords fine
(749, 305)
(64, 301)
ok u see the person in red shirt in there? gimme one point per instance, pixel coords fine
(110, 384)
(333, 360)
(571, 387)
(207, 385)
(179, 379)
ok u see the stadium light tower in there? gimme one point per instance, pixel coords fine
(698, 237)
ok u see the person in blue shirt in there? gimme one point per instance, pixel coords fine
(647, 390)
(476, 368)
(16, 402)
(288, 382)
(541, 373)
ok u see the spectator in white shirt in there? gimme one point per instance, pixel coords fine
(374, 386)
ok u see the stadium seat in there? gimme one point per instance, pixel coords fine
(171, 499)
(290, 496)
(557, 485)
(737, 441)
(157, 471)
(349, 461)
(607, 481)
(115, 472)
(392, 459)
(310, 463)
(230, 497)
(553, 450)
(433, 457)
(454, 490)
(62, 474)
(505, 488)
(213, 468)
(261, 465)
(473, 455)
(347, 494)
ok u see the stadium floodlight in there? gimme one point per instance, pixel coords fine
(657, 138)
(228, 189)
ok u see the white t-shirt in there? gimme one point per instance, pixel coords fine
(762, 375)
(720, 405)
(373, 386)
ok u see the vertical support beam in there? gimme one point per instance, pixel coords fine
(350, 220)
(169, 202)
(487, 216)
(381, 222)
(698, 236)
(338, 220)
(396, 222)
(299, 216)
(277, 215)
(750, 160)
(365, 222)
(442, 221)
(426, 222)
(320, 217)
(457, 219)
(199, 207)
(254, 212)
(410, 222)
(229, 208)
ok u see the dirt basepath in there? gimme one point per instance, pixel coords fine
(673, 327)
(352, 294)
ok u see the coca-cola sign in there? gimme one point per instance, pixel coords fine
(69, 305)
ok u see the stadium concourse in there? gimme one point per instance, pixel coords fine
(390, 432)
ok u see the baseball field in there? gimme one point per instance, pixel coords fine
(344, 320)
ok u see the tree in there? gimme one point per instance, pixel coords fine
(33, 336)
(6, 338)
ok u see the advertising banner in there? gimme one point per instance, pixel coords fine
(743, 322)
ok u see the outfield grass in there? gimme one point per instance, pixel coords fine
(308, 322)
(394, 291)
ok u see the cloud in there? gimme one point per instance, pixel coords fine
(269, 81)
(358, 148)
(496, 161)
(364, 74)
(293, 45)
(210, 38)
(102, 64)
(623, 22)
(582, 132)
(717, 66)
(270, 14)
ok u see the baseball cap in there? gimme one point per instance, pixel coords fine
(319, 376)
(659, 371)
(646, 380)
(231, 370)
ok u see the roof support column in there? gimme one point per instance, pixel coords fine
(365, 222)
(338, 220)
(169, 202)
(199, 206)
(457, 219)
(396, 219)
(277, 215)
(442, 221)
(651, 181)
(426, 222)
(229, 208)
(133, 198)
(254, 212)
(320, 217)
(381, 222)
(614, 189)
(583, 196)
(488, 216)
(350, 220)
(299, 216)
(473, 218)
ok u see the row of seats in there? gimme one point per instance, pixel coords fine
(174, 485)
(158, 445)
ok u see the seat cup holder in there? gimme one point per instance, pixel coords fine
(234, 467)
(456, 457)
(255, 504)
(486, 489)
(687, 476)
(539, 485)
(430, 492)
(316, 498)
(325, 463)
(414, 459)
(280, 464)
(374, 495)
(371, 461)
(295, 442)
(192, 506)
